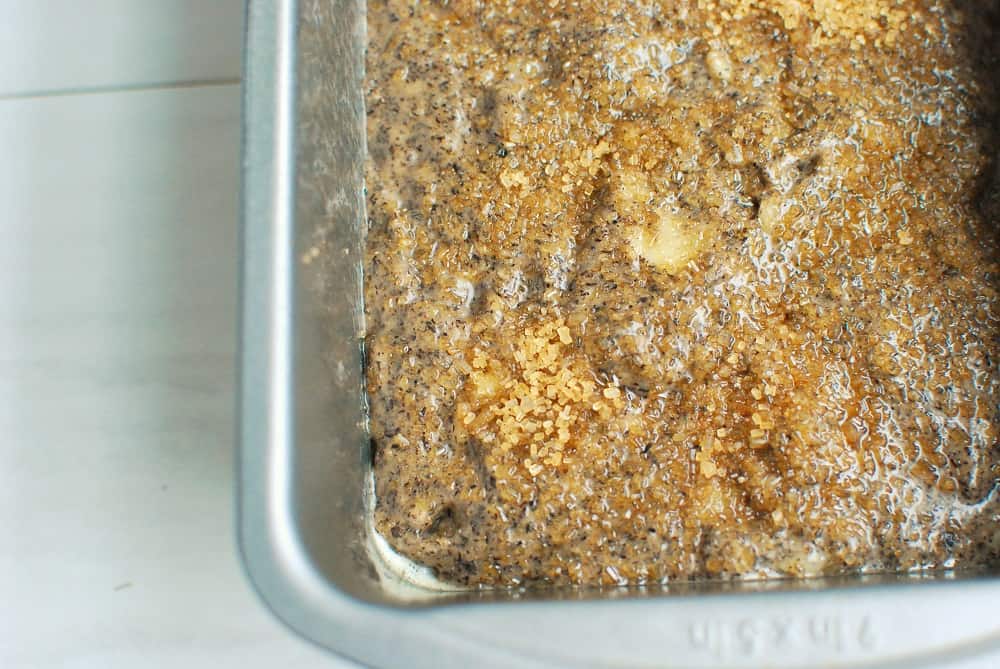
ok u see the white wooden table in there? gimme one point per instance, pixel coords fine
(119, 148)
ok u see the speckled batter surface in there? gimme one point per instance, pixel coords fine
(672, 290)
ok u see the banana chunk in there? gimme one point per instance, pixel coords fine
(670, 243)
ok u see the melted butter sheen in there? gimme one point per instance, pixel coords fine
(672, 290)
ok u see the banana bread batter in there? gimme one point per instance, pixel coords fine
(669, 290)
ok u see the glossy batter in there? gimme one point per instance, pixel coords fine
(670, 290)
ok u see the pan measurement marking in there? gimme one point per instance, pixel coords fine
(747, 637)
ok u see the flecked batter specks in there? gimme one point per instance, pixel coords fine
(670, 290)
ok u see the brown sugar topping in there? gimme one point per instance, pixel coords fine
(660, 291)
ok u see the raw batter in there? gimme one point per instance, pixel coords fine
(667, 290)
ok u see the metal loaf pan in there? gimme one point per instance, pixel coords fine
(303, 463)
